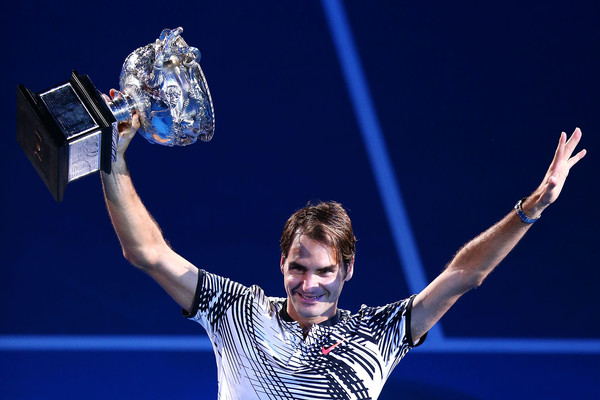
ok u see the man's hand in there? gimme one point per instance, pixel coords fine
(127, 129)
(553, 182)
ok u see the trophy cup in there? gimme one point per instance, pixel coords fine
(70, 130)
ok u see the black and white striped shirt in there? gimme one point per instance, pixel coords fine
(261, 352)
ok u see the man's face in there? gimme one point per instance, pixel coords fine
(313, 281)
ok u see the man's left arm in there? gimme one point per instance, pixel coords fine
(474, 261)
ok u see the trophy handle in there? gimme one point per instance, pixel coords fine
(122, 106)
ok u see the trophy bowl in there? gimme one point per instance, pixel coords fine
(163, 81)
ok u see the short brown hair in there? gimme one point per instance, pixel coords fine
(327, 223)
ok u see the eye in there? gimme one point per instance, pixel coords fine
(327, 271)
(296, 269)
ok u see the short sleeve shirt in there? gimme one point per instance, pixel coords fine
(261, 352)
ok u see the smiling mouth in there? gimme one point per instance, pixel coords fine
(309, 297)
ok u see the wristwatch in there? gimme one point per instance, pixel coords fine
(522, 215)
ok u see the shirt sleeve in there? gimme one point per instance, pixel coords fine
(214, 296)
(390, 325)
(408, 317)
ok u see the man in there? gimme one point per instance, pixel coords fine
(303, 346)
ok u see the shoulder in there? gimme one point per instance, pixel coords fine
(215, 293)
(399, 308)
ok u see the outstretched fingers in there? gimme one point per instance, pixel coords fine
(573, 141)
(561, 165)
(570, 146)
(565, 149)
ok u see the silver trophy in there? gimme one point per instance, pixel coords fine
(70, 130)
(165, 84)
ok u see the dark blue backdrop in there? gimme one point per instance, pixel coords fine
(471, 98)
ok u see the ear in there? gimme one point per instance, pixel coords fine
(350, 270)
(281, 262)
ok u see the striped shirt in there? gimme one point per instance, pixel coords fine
(261, 352)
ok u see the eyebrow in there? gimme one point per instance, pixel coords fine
(296, 265)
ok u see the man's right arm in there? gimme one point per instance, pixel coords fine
(140, 237)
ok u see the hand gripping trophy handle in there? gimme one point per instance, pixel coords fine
(70, 130)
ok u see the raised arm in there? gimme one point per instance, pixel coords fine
(473, 263)
(141, 239)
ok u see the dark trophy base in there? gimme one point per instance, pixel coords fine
(67, 132)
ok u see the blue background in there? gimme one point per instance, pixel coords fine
(471, 98)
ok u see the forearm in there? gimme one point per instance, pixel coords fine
(471, 265)
(140, 237)
(478, 258)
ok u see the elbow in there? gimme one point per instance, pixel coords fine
(132, 257)
(466, 280)
(142, 258)
(476, 283)
(473, 280)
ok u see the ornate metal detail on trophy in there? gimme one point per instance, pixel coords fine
(163, 81)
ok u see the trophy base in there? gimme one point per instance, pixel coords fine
(66, 132)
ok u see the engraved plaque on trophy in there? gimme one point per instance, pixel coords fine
(70, 130)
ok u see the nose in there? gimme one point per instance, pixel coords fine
(310, 282)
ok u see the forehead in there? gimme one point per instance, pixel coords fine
(307, 249)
